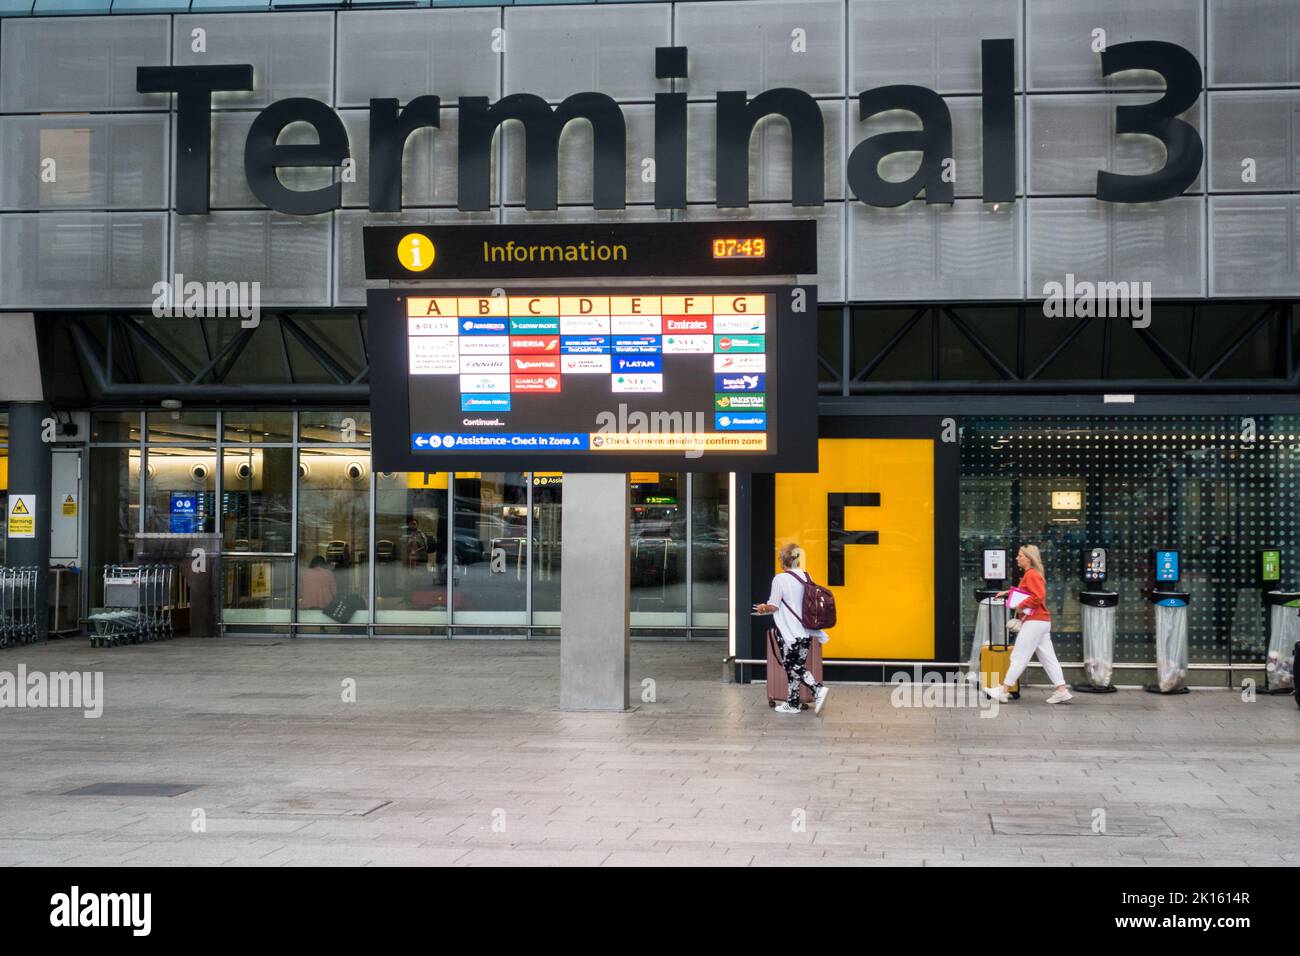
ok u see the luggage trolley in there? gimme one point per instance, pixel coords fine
(137, 605)
(18, 622)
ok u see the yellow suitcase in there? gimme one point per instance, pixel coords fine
(995, 661)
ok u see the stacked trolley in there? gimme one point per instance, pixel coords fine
(137, 605)
(18, 622)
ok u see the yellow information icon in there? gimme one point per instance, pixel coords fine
(415, 251)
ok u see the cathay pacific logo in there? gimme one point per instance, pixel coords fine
(76, 909)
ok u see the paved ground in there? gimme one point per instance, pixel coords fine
(453, 753)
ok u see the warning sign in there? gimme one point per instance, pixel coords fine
(69, 506)
(22, 516)
(259, 585)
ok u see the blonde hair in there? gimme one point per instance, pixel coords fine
(790, 555)
(1035, 557)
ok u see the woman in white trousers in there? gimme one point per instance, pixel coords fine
(1035, 634)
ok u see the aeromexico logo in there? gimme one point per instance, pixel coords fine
(737, 115)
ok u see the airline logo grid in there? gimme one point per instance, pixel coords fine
(502, 346)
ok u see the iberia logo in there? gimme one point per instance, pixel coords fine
(416, 252)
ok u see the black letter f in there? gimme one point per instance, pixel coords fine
(836, 502)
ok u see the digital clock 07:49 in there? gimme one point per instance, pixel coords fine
(754, 248)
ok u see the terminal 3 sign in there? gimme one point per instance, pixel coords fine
(391, 124)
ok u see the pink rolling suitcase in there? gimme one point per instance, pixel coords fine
(777, 686)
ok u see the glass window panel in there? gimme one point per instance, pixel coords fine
(932, 43)
(554, 53)
(89, 260)
(258, 426)
(114, 487)
(411, 525)
(1060, 37)
(710, 548)
(288, 255)
(333, 531)
(490, 549)
(349, 425)
(410, 53)
(181, 426)
(969, 250)
(292, 53)
(115, 426)
(257, 517)
(548, 496)
(1254, 43)
(78, 64)
(1175, 482)
(658, 543)
(1161, 243)
(754, 45)
(180, 490)
(101, 162)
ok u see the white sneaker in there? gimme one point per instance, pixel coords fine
(785, 708)
(820, 699)
(1060, 697)
(998, 694)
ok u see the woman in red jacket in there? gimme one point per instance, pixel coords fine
(1035, 634)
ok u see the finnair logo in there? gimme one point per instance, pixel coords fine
(76, 909)
(1102, 300)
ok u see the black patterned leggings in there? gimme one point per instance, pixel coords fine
(796, 671)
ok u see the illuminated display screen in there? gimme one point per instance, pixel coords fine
(1167, 566)
(625, 377)
(751, 248)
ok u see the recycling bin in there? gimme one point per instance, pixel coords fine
(1171, 642)
(1100, 609)
(1283, 633)
(990, 627)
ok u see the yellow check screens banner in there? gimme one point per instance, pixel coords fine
(866, 523)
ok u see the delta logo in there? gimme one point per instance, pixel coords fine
(746, 402)
(534, 383)
(539, 345)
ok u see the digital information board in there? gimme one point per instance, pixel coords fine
(688, 379)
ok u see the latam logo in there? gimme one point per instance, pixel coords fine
(640, 363)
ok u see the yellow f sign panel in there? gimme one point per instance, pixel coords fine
(885, 548)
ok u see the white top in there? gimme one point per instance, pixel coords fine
(787, 593)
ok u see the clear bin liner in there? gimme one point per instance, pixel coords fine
(1283, 632)
(1098, 644)
(991, 614)
(1171, 647)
